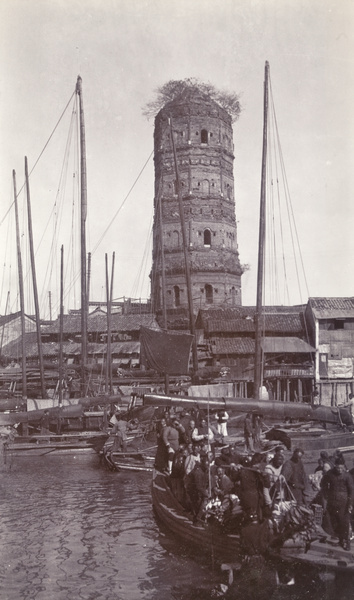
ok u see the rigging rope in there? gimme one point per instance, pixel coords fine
(124, 201)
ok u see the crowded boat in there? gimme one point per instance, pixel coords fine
(258, 501)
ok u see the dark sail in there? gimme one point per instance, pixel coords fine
(165, 352)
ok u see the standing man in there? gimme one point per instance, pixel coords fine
(119, 430)
(45, 423)
(248, 433)
(337, 486)
(295, 476)
(222, 418)
(170, 438)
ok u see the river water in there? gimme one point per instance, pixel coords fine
(71, 530)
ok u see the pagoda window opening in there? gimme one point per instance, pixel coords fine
(208, 293)
(204, 136)
(207, 238)
(176, 296)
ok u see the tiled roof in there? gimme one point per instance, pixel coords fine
(332, 308)
(97, 323)
(242, 346)
(274, 323)
(51, 349)
(290, 345)
(232, 346)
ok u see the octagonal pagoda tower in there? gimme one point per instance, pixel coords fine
(204, 148)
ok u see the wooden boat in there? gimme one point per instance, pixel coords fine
(319, 553)
(139, 456)
(311, 438)
(40, 445)
(208, 538)
(70, 414)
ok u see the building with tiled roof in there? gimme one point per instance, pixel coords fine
(125, 344)
(330, 324)
(229, 337)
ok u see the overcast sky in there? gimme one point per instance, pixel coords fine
(124, 50)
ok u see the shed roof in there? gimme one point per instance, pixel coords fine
(332, 308)
(288, 345)
(270, 345)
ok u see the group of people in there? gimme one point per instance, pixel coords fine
(257, 480)
(186, 452)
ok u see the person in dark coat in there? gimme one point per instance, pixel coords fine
(248, 433)
(45, 423)
(161, 458)
(250, 480)
(337, 486)
(197, 487)
(294, 473)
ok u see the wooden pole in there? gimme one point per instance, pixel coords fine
(22, 301)
(109, 294)
(34, 283)
(186, 257)
(61, 323)
(261, 247)
(110, 325)
(163, 284)
(83, 185)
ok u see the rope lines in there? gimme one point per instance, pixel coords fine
(282, 242)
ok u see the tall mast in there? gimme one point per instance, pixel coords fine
(186, 258)
(34, 283)
(83, 184)
(261, 245)
(109, 294)
(61, 327)
(163, 282)
(22, 301)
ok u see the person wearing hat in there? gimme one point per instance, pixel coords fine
(294, 473)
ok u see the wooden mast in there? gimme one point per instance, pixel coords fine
(22, 301)
(83, 185)
(61, 327)
(186, 258)
(163, 281)
(34, 283)
(261, 246)
(109, 294)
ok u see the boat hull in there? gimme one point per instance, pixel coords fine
(310, 441)
(55, 444)
(207, 539)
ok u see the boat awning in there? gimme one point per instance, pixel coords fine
(289, 345)
(134, 361)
